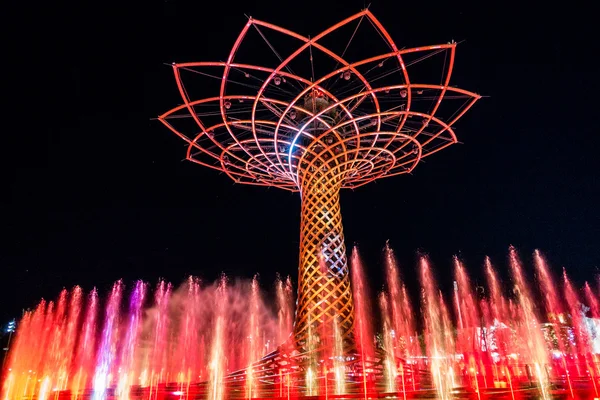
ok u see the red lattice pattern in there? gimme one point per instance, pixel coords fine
(324, 293)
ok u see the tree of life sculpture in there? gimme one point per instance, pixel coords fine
(363, 118)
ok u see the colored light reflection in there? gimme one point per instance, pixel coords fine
(215, 340)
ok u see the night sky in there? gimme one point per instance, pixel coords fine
(95, 190)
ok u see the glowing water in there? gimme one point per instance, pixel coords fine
(155, 359)
(285, 309)
(496, 318)
(217, 363)
(339, 368)
(580, 334)
(389, 360)
(171, 341)
(468, 338)
(84, 355)
(594, 305)
(108, 342)
(437, 339)
(534, 347)
(253, 339)
(67, 346)
(127, 372)
(362, 318)
(403, 321)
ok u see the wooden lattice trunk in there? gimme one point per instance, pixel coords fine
(324, 292)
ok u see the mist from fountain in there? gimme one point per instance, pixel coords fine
(209, 340)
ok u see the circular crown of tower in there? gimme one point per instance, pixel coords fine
(285, 105)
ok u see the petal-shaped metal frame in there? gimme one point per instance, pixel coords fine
(258, 166)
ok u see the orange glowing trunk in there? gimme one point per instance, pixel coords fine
(324, 293)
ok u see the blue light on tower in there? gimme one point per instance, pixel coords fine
(11, 326)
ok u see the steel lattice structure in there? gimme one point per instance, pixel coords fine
(269, 126)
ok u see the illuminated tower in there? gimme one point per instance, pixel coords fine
(362, 117)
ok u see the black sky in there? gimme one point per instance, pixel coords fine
(95, 190)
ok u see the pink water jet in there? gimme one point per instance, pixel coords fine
(581, 341)
(557, 318)
(285, 309)
(363, 319)
(85, 352)
(534, 348)
(592, 301)
(105, 364)
(129, 370)
(217, 356)
(403, 322)
(155, 358)
(499, 336)
(69, 338)
(254, 348)
(469, 335)
(389, 359)
(593, 330)
(438, 342)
